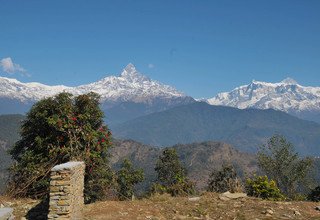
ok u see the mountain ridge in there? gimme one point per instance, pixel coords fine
(123, 97)
(245, 129)
(287, 96)
(110, 88)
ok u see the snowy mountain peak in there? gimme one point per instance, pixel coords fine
(287, 96)
(130, 68)
(129, 86)
(131, 74)
(289, 81)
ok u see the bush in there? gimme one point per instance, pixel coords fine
(157, 188)
(182, 188)
(171, 175)
(315, 195)
(127, 178)
(261, 187)
(224, 180)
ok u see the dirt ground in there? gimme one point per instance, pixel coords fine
(207, 206)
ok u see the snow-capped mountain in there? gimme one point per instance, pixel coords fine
(130, 87)
(287, 96)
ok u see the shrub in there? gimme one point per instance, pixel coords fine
(182, 188)
(261, 187)
(171, 175)
(315, 195)
(224, 180)
(127, 177)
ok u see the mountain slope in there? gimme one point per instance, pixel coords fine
(245, 129)
(200, 159)
(130, 88)
(9, 133)
(287, 96)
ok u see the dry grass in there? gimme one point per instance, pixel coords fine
(209, 206)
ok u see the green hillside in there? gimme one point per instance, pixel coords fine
(245, 129)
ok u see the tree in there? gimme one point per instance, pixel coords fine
(172, 175)
(224, 180)
(127, 177)
(57, 130)
(281, 163)
(169, 168)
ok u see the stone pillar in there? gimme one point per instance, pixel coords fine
(66, 191)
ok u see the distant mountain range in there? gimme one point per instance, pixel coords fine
(123, 97)
(132, 94)
(287, 96)
(245, 129)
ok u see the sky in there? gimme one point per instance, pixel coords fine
(199, 47)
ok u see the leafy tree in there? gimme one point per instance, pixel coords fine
(281, 163)
(261, 187)
(172, 175)
(127, 177)
(224, 180)
(57, 130)
(169, 168)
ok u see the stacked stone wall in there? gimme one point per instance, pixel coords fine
(66, 191)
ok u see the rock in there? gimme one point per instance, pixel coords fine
(180, 217)
(269, 211)
(296, 212)
(287, 216)
(230, 195)
(223, 198)
(194, 199)
(318, 208)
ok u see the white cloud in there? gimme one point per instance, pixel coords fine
(151, 66)
(10, 67)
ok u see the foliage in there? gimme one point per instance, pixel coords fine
(127, 177)
(169, 168)
(279, 161)
(224, 180)
(157, 188)
(261, 187)
(171, 175)
(56, 130)
(314, 195)
(182, 188)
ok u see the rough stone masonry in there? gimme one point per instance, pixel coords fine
(66, 191)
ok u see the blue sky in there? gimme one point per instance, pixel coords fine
(199, 47)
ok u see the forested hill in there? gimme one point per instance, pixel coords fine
(245, 129)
